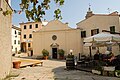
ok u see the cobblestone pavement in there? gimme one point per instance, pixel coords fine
(55, 70)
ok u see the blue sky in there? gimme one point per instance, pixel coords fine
(73, 11)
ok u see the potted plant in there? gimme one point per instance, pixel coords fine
(97, 70)
(16, 64)
(117, 73)
(45, 54)
(61, 53)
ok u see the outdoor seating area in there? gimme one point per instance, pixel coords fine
(106, 66)
(106, 63)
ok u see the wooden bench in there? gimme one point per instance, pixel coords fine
(30, 63)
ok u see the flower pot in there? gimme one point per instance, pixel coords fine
(45, 57)
(96, 72)
(61, 57)
(16, 64)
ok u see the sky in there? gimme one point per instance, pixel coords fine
(73, 11)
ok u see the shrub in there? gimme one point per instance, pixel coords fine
(45, 52)
(61, 52)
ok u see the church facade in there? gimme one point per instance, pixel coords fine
(57, 35)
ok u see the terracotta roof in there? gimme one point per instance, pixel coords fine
(17, 28)
(28, 22)
(111, 14)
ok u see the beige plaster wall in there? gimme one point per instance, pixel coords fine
(28, 31)
(5, 41)
(101, 22)
(67, 38)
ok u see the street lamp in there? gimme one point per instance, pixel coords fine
(71, 51)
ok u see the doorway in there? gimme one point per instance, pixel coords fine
(31, 53)
(54, 53)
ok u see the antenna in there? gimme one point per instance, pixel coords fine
(108, 10)
(89, 9)
(89, 5)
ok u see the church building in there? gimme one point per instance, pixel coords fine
(57, 35)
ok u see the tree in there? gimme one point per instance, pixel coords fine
(38, 9)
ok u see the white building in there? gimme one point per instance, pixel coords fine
(16, 31)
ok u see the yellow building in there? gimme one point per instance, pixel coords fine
(5, 38)
(27, 37)
(96, 23)
(57, 35)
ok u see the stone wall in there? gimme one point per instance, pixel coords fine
(5, 40)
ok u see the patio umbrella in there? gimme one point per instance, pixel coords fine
(103, 37)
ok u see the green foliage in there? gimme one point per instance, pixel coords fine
(99, 68)
(118, 72)
(5, 13)
(45, 52)
(38, 9)
(61, 52)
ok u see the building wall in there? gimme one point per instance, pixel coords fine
(28, 31)
(15, 37)
(67, 38)
(101, 22)
(5, 41)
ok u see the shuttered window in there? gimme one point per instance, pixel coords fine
(94, 31)
(83, 34)
(112, 29)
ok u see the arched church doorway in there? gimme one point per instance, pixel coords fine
(54, 53)
(54, 47)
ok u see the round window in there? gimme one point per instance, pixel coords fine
(54, 37)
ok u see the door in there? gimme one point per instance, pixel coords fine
(31, 53)
(54, 53)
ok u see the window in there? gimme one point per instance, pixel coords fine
(30, 27)
(30, 35)
(36, 25)
(54, 37)
(19, 33)
(112, 29)
(18, 42)
(94, 31)
(83, 34)
(29, 45)
(14, 41)
(24, 36)
(15, 32)
(24, 26)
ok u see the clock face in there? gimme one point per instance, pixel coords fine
(54, 37)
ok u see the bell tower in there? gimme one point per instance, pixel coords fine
(89, 12)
